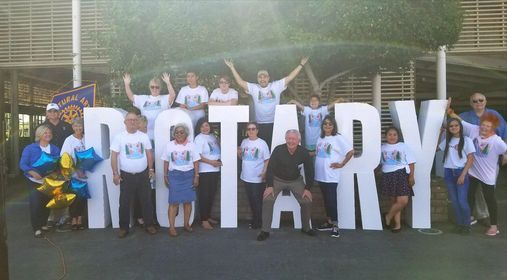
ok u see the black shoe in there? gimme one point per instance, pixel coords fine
(254, 226)
(64, 228)
(396, 230)
(309, 232)
(335, 232)
(465, 230)
(263, 235)
(325, 227)
(123, 233)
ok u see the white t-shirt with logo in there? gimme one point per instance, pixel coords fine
(192, 97)
(207, 146)
(452, 159)
(218, 96)
(71, 145)
(132, 150)
(487, 151)
(180, 156)
(253, 155)
(396, 156)
(330, 149)
(150, 107)
(313, 121)
(266, 99)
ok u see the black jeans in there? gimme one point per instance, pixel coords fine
(130, 186)
(329, 194)
(207, 189)
(489, 196)
(77, 207)
(39, 213)
(254, 192)
(266, 133)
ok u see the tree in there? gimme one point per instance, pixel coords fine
(148, 37)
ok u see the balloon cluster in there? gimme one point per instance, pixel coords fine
(58, 182)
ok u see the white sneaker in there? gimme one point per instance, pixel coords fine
(473, 220)
(335, 232)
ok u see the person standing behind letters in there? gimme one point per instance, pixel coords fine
(132, 150)
(265, 96)
(283, 173)
(193, 97)
(151, 105)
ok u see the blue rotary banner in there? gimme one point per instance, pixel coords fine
(72, 102)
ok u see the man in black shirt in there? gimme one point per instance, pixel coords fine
(61, 130)
(283, 173)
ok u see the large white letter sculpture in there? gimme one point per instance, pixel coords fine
(363, 166)
(229, 116)
(285, 119)
(165, 120)
(422, 138)
(104, 202)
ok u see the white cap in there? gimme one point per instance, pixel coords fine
(52, 106)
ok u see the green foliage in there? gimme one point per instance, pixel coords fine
(148, 37)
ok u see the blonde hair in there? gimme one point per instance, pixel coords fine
(40, 131)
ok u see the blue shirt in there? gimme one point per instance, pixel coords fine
(471, 117)
(32, 153)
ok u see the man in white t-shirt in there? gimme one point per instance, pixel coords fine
(193, 97)
(151, 105)
(132, 150)
(265, 96)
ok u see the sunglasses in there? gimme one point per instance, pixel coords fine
(478, 100)
(251, 128)
(154, 87)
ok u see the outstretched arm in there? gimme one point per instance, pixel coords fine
(170, 89)
(128, 90)
(296, 70)
(338, 100)
(242, 83)
(298, 105)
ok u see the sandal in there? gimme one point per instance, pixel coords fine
(80, 227)
(173, 232)
(74, 227)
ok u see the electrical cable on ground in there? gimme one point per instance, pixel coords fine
(62, 258)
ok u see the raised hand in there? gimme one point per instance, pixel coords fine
(229, 63)
(166, 78)
(127, 79)
(304, 60)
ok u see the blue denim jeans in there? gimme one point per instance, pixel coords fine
(458, 194)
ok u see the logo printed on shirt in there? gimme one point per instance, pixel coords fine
(314, 119)
(134, 150)
(180, 158)
(267, 97)
(481, 148)
(250, 153)
(192, 100)
(152, 106)
(394, 157)
(324, 150)
(214, 148)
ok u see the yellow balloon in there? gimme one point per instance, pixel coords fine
(66, 161)
(50, 187)
(61, 201)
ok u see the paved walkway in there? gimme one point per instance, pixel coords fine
(234, 253)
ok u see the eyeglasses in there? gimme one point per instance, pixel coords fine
(179, 132)
(251, 128)
(478, 100)
(154, 87)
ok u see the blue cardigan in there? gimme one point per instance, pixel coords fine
(32, 153)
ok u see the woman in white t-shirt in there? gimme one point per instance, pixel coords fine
(72, 144)
(484, 170)
(398, 166)
(193, 97)
(151, 105)
(254, 153)
(458, 158)
(224, 95)
(209, 170)
(181, 176)
(332, 152)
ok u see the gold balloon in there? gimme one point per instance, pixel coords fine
(50, 187)
(61, 200)
(66, 161)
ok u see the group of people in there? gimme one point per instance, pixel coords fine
(191, 168)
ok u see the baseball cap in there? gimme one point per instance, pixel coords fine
(52, 106)
(262, 73)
